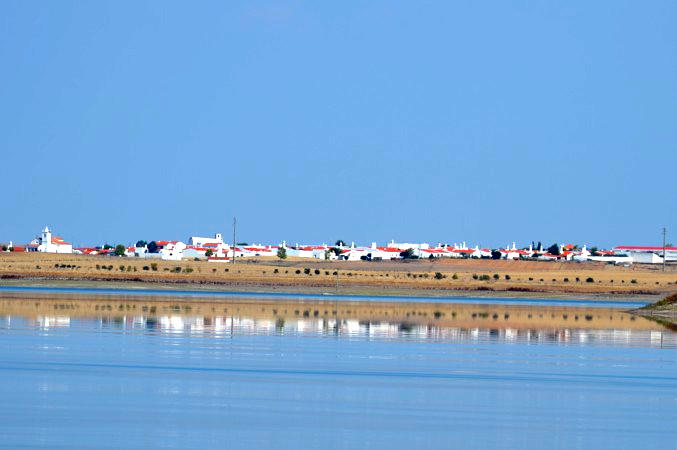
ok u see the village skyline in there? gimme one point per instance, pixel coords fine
(520, 244)
(216, 248)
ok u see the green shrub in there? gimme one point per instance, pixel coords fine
(122, 268)
(153, 266)
(475, 276)
(317, 271)
(306, 271)
(589, 280)
(454, 276)
(485, 277)
(146, 268)
(439, 275)
(507, 277)
(496, 276)
(633, 281)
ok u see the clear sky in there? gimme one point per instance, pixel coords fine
(488, 122)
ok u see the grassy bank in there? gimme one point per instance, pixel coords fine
(663, 311)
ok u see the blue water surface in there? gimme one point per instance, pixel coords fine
(231, 382)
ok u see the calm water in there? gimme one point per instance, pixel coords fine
(229, 381)
(283, 295)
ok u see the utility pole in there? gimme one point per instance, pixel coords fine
(234, 224)
(664, 232)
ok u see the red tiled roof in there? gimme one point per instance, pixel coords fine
(641, 248)
(390, 249)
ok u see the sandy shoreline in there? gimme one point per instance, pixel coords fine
(299, 289)
(422, 278)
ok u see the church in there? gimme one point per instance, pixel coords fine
(47, 243)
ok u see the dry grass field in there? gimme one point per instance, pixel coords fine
(415, 277)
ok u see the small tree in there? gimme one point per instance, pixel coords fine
(141, 243)
(120, 250)
(107, 246)
(281, 252)
(408, 254)
(495, 254)
(152, 247)
(340, 243)
(554, 249)
(209, 253)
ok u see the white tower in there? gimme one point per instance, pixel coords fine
(46, 236)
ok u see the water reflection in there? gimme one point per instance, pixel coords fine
(365, 320)
(289, 374)
(230, 326)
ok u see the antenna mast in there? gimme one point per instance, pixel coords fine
(664, 257)
(234, 225)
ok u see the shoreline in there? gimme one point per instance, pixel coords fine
(416, 278)
(354, 290)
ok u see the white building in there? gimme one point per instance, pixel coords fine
(198, 241)
(47, 243)
(406, 246)
(643, 254)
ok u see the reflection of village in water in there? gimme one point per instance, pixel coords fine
(444, 322)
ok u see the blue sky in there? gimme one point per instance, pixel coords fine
(489, 122)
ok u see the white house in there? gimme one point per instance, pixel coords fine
(47, 243)
(198, 241)
(405, 246)
(168, 250)
(642, 253)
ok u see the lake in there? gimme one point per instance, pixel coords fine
(92, 369)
